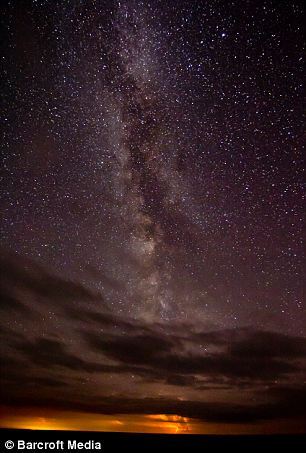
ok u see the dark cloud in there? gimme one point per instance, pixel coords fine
(19, 274)
(50, 353)
(269, 345)
(14, 378)
(157, 354)
(47, 381)
(9, 303)
(139, 349)
(291, 403)
(169, 355)
(181, 381)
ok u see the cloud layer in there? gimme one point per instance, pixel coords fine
(183, 359)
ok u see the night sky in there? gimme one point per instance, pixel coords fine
(152, 215)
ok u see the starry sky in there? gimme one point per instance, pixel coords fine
(152, 221)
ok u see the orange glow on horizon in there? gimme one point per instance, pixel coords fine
(176, 423)
(159, 423)
(44, 419)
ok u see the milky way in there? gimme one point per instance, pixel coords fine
(152, 201)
